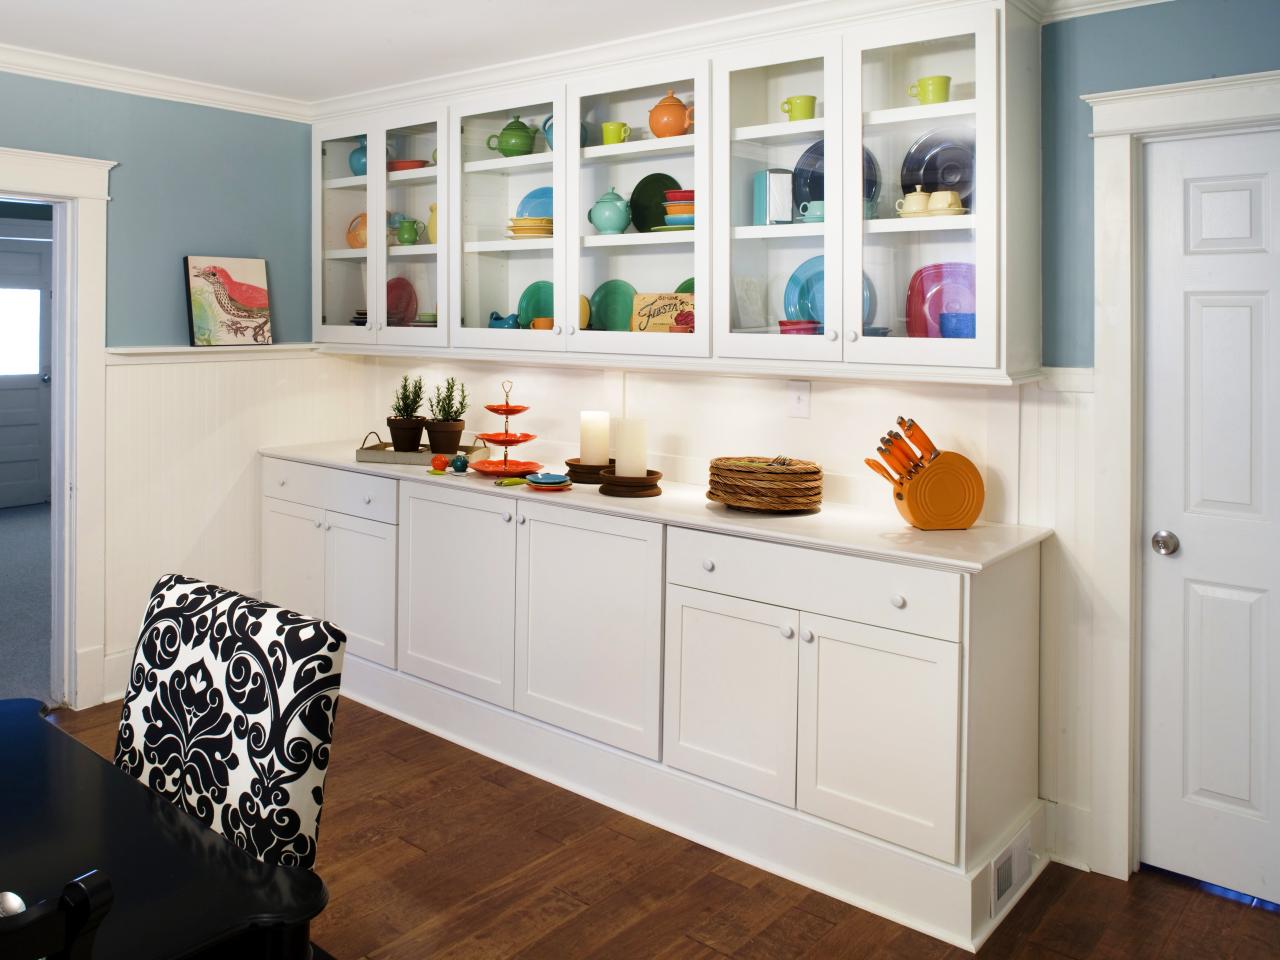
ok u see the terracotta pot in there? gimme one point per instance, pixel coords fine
(445, 436)
(406, 433)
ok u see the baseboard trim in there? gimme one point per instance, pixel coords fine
(937, 899)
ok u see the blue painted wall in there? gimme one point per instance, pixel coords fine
(1138, 47)
(190, 180)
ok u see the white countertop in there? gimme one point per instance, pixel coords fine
(836, 527)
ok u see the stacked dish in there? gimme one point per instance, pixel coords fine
(678, 210)
(548, 482)
(524, 228)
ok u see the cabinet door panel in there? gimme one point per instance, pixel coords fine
(589, 624)
(360, 584)
(879, 732)
(730, 692)
(456, 601)
(293, 556)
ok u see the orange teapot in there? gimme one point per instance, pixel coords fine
(670, 117)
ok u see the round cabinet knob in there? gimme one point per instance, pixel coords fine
(319, 524)
(556, 329)
(898, 600)
(853, 335)
(571, 330)
(787, 632)
(833, 335)
(368, 499)
(506, 517)
(708, 565)
(807, 636)
(282, 482)
(521, 518)
(328, 526)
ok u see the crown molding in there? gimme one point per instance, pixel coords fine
(1050, 11)
(105, 76)
(1212, 104)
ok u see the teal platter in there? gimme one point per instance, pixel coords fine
(611, 305)
(538, 300)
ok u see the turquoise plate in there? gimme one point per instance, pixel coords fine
(536, 203)
(547, 479)
(538, 300)
(611, 305)
(803, 299)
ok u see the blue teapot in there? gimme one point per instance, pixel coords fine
(498, 322)
(547, 126)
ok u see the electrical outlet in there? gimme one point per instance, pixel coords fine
(798, 398)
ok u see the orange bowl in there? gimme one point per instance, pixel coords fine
(678, 208)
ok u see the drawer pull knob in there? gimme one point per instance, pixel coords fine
(807, 636)
(708, 565)
(506, 517)
(282, 483)
(368, 499)
(319, 524)
(898, 600)
(521, 518)
(787, 632)
(328, 526)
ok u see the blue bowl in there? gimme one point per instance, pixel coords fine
(547, 479)
(958, 326)
(679, 219)
(875, 331)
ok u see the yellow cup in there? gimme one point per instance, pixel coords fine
(931, 89)
(615, 131)
(800, 107)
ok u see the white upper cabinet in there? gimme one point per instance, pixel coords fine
(628, 144)
(506, 227)
(343, 264)
(777, 202)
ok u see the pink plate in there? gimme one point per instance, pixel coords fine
(402, 302)
(937, 289)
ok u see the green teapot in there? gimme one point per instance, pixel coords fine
(610, 214)
(515, 140)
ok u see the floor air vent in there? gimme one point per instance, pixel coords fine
(1010, 870)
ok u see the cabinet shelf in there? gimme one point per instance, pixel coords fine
(407, 178)
(343, 253)
(638, 148)
(413, 251)
(346, 183)
(783, 131)
(778, 231)
(918, 224)
(529, 161)
(503, 246)
(924, 111)
(638, 239)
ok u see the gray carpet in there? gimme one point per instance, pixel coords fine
(25, 602)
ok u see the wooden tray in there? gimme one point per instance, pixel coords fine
(382, 453)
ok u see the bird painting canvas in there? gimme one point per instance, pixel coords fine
(227, 301)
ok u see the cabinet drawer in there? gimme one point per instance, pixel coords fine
(344, 491)
(892, 595)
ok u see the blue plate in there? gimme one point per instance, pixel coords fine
(870, 176)
(679, 219)
(547, 479)
(868, 302)
(941, 160)
(803, 298)
(536, 203)
(807, 179)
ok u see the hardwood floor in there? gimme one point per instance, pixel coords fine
(430, 850)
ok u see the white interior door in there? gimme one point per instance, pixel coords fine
(1211, 640)
(25, 306)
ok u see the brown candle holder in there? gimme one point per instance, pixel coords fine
(611, 485)
(589, 473)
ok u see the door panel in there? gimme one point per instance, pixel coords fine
(879, 732)
(1210, 664)
(729, 709)
(293, 556)
(360, 584)
(456, 623)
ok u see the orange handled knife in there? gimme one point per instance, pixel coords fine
(895, 457)
(901, 445)
(878, 468)
(915, 433)
(892, 462)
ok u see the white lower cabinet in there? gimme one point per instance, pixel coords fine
(878, 739)
(589, 624)
(457, 596)
(326, 564)
(730, 706)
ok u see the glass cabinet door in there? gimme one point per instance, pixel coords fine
(778, 201)
(923, 112)
(637, 168)
(341, 233)
(506, 221)
(414, 268)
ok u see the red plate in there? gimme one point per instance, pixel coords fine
(402, 302)
(674, 196)
(505, 409)
(799, 326)
(506, 439)
(394, 165)
(508, 468)
(937, 289)
(544, 488)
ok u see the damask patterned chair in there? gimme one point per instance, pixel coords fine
(229, 715)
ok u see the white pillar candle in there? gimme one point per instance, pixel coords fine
(593, 437)
(630, 436)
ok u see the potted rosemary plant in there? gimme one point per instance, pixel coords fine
(405, 423)
(444, 426)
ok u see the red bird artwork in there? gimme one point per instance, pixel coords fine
(245, 305)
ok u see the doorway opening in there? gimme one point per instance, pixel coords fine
(26, 443)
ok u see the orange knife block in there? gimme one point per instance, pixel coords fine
(946, 495)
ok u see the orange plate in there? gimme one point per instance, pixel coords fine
(506, 439)
(508, 468)
(505, 409)
(547, 488)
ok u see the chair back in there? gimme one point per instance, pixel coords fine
(229, 714)
(61, 929)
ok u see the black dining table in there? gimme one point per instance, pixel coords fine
(181, 890)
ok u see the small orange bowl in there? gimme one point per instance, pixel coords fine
(542, 323)
(676, 209)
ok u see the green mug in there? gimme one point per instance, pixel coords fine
(931, 89)
(409, 231)
(615, 131)
(799, 108)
